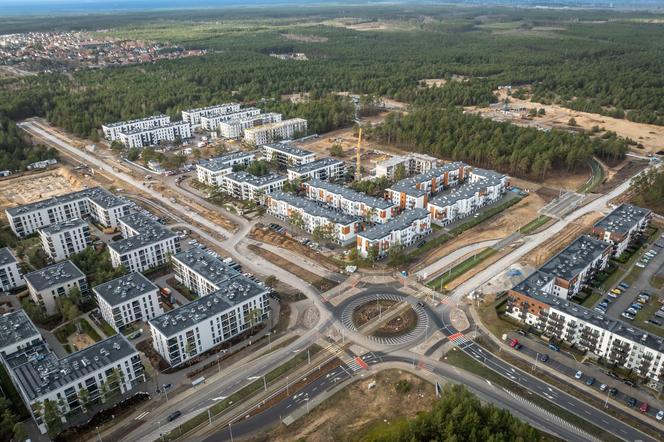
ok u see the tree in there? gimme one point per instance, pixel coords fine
(541, 111)
(296, 220)
(258, 168)
(571, 122)
(51, 417)
(271, 281)
(373, 253)
(336, 150)
(133, 154)
(324, 233)
(252, 316)
(20, 433)
(396, 256)
(400, 172)
(84, 399)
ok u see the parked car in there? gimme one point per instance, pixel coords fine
(174, 415)
(514, 343)
(544, 357)
(654, 321)
(613, 391)
(616, 291)
(644, 407)
(553, 347)
(641, 264)
(637, 306)
(518, 346)
(623, 286)
(631, 402)
(660, 415)
(603, 387)
(629, 383)
(590, 381)
(612, 295)
(522, 332)
(627, 315)
(578, 375)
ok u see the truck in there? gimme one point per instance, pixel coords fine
(198, 381)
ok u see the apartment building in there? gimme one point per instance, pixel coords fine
(50, 283)
(327, 169)
(112, 131)
(18, 332)
(102, 206)
(61, 240)
(193, 116)
(465, 199)
(200, 272)
(622, 226)
(212, 170)
(10, 274)
(212, 123)
(287, 154)
(368, 208)
(269, 133)
(414, 192)
(145, 244)
(313, 215)
(40, 376)
(127, 299)
(205, 323)
(140, 138)
(236, 128)
(404, 229)
(615, 341)
(413, 163)
(248, 187)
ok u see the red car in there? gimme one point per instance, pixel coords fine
(644, 407)
(514, 343)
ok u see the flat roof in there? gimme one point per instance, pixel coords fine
(56, 274)
(209, 108)
(289, 149)
(222, 162)
(350, 194)
(232, 115)
(408, 185)
(256, 181)
(314, 208)
(64, 226)
(6, 256)
(139, 130)
(125, 288)
(399, 222)
(137, 120)
(15, 327)
(316, 165)
(398, 159)
(99, 195)
(149, 232)
(623, 218)
(238, 121)
(574, 258)
(39, 371)
(464, 191)
(231, 293)
(213, 269)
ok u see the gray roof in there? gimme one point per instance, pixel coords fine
(351, 194)
(256, 181)
(289, 149)
(125, 288)
(223, 162)
(149, 232)
(100, 196)
(15, 327)
(315, 165)
(137, 120)
(210, 108)
(39, 371)
(64, 226)
(6, 256)
(408, 185)
(314, 208)
(465, 190)
(399, 222)
(230, 294)
(209, 267)
(54, 275)
(623, 218)
(574, 258)
(139, 130)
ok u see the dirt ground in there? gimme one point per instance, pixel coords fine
(650, 135)
(80, 341)
(30, 187)
(350, 413)
(619, 174)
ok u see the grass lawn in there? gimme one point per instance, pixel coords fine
(633, 275)
(107, 329)
(461, 268)
(492, 319)
(657, 282)
(534, 224)
(591, 300)
(646, 313)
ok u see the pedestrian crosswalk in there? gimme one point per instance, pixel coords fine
(353, 365)
(459, 339)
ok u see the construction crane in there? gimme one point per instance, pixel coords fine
(358, 171)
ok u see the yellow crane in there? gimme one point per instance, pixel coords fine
(358, 172)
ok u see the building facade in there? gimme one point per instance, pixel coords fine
(236, 128)
(622, 226)
(10, 274)
(211, 171)
(140, 138)
(193, 116)
(414, 163)
(127, 299)
(269, 133)
(248, 187)
(205, 323)
(326, 169)
(112, 131)
(200, 272)
(61, 240)
(404, 229)
(50, 283)
(211, 123)
(287, 154)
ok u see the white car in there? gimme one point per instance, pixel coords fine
(660, 415)
(578, 375)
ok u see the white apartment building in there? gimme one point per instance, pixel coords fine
(615, 341)
(18, 332)
(368, 208)
(102, 206)
(287, 154)
(127, 299)
(212, 123)
(152, 136)
(413, 163)
(146, 244)
(343, 228)
(212, 170)
(329, 169)
(622, 226)
(61, 240)
(40, 376)
(193, 116)
(200, 272)
(404, 229)
(248, 187)
(50, 283)
(112, 131)
(205, 323)
(10, 274)
(236, 128)
(269, 133)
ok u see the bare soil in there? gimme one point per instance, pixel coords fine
(80, 341)
(399, 325)
(29, 187)
(356, 409)
(620, 174)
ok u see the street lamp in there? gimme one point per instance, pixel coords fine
(306, 400)
(230, 431)
(98, 435)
